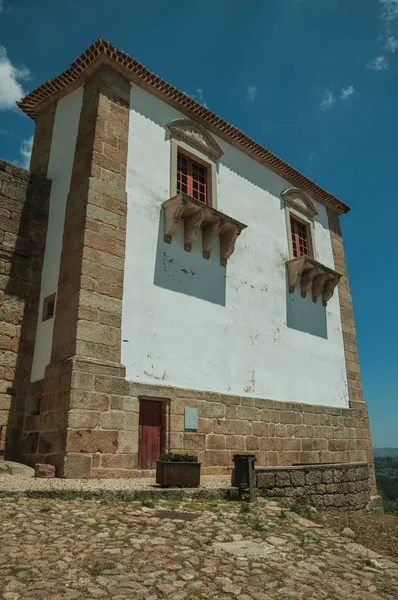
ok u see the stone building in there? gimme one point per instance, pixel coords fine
(168, 284)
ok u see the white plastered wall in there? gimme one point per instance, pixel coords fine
(191, 323)
(63, 144)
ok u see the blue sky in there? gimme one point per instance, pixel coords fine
(315, 81)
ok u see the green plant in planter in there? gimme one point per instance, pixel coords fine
(174, 457)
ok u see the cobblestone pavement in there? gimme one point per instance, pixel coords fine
(57, 549)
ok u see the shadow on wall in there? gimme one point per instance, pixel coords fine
(24, 198)
(305, 315)
(188, 272)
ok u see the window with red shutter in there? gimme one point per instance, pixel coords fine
(192, 178)
(300, 241)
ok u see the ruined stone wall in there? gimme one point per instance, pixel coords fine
(343, 486)
(23, 225)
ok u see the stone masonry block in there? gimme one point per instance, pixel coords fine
(92, 440)
(119, 461)
(230, 426)
(213, 410)
(89, 400)
(83, 419)
(283, 478)
(235, 443)
(313, 477)
(77, 466)
(194, 441)
(297, 478)
(218, 458)
(44, 471)
(113, 419)
(260, 429)
(111, 385)
(266, 480)
(131, 405)
(128, 442)
(251, 443)
(327, 476)
(82, 381)
(215, 442)
(247, 413)
(131, 421)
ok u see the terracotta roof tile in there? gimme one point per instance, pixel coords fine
(29, 105)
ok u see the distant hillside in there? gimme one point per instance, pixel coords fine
(385, 452)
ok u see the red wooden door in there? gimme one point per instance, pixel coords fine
(149, 431)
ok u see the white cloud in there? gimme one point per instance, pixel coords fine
(379, 63)
(347, 92)
(10, 81)
(198, 96)
(390, 10)
(389, 18)
(328, 99)
(25, 151)
(391, 44)
(251, 93)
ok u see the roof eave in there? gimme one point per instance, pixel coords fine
(101, 52)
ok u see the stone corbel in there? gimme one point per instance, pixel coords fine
(192, 226)
(197, 216)
(228, 236)
(173, 211)
(312, 275)
(211, 233)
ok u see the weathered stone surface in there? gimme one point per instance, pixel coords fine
(8, 467)
(122, 550)
(298, 482)
(44, 471)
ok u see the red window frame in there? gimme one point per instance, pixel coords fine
(300, 237)
(192, 178)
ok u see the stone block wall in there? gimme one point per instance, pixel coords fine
(326, 486)
(98, 423)
(23, 225)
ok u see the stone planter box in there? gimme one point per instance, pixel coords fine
(177, 474)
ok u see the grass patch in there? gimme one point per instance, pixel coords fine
(379, 532)
(304, 538)
(147, 502)
(22, 574)
(254, 523)
(244, 508)
(304, 508)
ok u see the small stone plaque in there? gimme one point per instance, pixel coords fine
(191, 419)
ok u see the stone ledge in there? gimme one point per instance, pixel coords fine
(312, 275)
(312, 467)
(197, 216)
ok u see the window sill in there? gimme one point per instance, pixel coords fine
(312, 275)
(196, 217)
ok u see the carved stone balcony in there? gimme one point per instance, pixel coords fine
(196, 217)
(312, 275)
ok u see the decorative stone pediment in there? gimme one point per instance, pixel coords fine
(197, 217)
(312, 275)
(197, 136)
(300, 201)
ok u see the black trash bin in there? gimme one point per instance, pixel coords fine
(244, 470)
